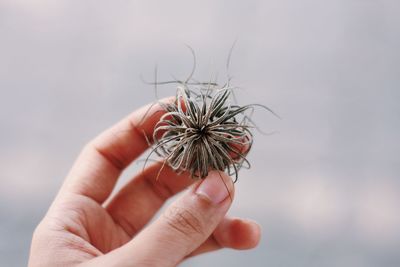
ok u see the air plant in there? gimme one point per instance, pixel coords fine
(201, 132)
(204, 129)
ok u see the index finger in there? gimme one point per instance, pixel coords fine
(102, 160)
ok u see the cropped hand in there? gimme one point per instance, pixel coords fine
(87, 226)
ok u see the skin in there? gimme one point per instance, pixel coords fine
(87, 226)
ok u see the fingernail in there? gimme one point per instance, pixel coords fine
(213, 188)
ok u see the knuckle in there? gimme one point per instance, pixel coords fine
(184, 221)
(37, 233)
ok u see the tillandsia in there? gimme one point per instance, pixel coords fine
(202, 132)
(204, 129)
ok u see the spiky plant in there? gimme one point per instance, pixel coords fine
(202, 131)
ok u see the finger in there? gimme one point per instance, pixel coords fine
(183, 227)
(235, 233)
(101, 162)
(137, 202)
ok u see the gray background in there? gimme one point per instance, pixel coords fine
(326, 189)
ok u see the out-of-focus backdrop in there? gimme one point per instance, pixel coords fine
(326, 188)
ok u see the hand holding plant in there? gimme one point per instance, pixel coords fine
(87, 226)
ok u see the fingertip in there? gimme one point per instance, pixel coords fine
(246, 234)
(216, 187)
(254, 234)
(239, 234)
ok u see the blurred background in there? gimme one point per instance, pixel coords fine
(326, 188)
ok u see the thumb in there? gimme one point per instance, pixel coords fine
(183, 227)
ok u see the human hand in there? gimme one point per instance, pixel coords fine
(86, 226)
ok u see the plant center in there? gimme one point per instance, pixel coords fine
(202, 131)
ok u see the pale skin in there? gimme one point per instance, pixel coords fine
(87, 226)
